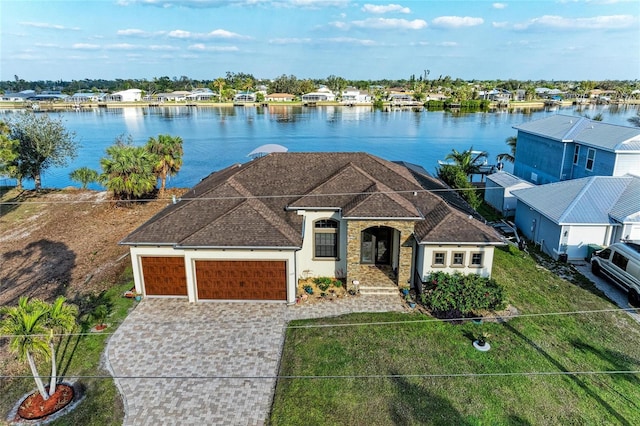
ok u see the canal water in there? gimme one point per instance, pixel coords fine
(216, 137)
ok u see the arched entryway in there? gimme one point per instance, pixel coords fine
(376, 246)
(379, 252)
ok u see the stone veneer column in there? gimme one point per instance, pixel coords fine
(357, 271)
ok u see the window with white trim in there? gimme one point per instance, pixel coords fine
(439, 258)
(325, 239)
(476, 259)
(591, 158)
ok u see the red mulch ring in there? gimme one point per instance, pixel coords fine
(100, 327)
(34, 407)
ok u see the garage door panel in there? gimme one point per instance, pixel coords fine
(164, 276)
(241, 280)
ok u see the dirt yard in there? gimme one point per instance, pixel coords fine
(65, 242)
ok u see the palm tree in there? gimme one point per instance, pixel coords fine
(247, 84)
(61, 318)
(25, 324)
(168, 152)
(128, 171)
(512, 141)
(597, 117)
(467, 161)
(84, 176)
(219, 83)
(635, 120)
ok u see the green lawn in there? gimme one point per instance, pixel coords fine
(566, 343)
(80, 356)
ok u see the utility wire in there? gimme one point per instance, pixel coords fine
(381, 323)
(347, 376)
(240, 197)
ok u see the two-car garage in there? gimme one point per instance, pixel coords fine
(220, 279)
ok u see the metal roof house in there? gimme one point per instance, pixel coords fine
(498, 189)
(563, 147)
(129, 95)
(563, 218)
(323, 94)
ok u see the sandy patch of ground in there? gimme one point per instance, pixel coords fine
(64, 242)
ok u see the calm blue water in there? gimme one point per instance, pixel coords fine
(214, 138)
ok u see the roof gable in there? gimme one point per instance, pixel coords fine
(255, 204)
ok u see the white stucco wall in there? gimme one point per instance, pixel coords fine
(307, 265)
(580, 236)
(426, 254)
(190, 257)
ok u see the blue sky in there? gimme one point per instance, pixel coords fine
(203, 39)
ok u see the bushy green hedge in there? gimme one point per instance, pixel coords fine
(452, 295)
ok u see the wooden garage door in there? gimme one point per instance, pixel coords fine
(164, 276)
(241, 280)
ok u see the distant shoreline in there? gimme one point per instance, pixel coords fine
(58, 106)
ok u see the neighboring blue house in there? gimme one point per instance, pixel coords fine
(564, 218)
(563, 147)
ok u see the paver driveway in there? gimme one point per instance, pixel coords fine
(175, 362)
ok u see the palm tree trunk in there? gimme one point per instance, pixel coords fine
(37, 182)
(54, 368)
(36, 377)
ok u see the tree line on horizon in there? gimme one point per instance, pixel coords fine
(235, 81)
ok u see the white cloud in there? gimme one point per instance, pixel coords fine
(290, 41)
(350, 40)
(131, 32)
(219, 33)
(499, 5)
(121, 46)
(612, 22)
(204, 48)
(85, 46)
(163, 47)
(379, 9)
(48, 26)
(390, 24)
(456, 21)
(27, 57)
(503, 24)
(204, 4)
(197, 4)
(316, 4)
(339, 25)
(225, 34)
(134, 32)
(448, 44)
(180, 34)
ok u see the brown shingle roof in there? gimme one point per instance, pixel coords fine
(254, 204)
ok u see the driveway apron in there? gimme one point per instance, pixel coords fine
(205, 364)
(210, 363)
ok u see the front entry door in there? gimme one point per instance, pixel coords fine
(376, 246)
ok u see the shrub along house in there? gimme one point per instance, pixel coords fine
(248, 232)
